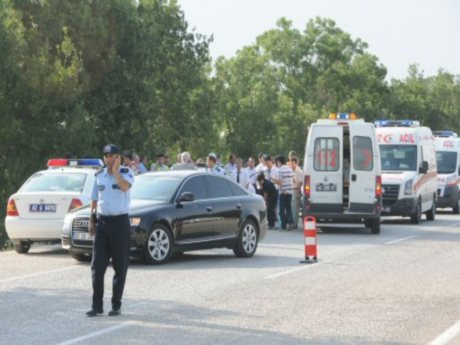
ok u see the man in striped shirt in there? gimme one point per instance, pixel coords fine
(286, 187)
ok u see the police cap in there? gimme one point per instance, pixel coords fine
(110, 148)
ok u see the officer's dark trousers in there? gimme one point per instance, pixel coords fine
(111, 241)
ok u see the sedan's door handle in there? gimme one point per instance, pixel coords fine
(209, 208)
(238, 206)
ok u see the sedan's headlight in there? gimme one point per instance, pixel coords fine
(135, 221)
(408, 187)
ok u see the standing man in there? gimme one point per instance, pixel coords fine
(286, 186)
(251, 172)
(110, 225)
(297, 191)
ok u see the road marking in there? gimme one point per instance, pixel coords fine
(273, 276)
(400, 239)
(447, 335)
(37, 274)
(97, 333)
(454, 225)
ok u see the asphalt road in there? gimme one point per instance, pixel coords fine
(399, 287)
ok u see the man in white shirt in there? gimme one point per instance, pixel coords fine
(261, 167)
(297, 191)
(251, 171)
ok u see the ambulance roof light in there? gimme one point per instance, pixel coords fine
(397, 123)
(445, 134)
(343, 116)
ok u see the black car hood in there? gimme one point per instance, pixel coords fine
(136, 206)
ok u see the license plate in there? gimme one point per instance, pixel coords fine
(82, 236)
(386, 209)
(47, 208)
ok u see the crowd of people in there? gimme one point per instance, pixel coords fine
(278, 179)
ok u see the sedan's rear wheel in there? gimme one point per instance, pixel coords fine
(22, 247)
(247, 240)
(158, 246)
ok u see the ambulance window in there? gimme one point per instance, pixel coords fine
(362, 154)
(327, 156)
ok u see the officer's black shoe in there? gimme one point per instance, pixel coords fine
(114, 312)
(94, 312)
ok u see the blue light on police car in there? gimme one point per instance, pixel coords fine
(90, 162)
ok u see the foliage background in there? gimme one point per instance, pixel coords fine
(75, 75)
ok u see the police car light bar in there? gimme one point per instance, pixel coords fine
(397, 123)
(445, 134)
(343, 116)
(77, 163)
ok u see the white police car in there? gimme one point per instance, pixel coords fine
(36, 211)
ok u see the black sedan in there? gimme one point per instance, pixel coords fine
(177, 211)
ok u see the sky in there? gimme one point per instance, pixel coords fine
(398, 32)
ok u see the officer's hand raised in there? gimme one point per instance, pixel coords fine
(116, 163)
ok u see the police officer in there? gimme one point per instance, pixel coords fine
(111, 227)
(213, 168)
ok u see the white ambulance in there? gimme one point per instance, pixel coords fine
(408, 156)
(448, 161)
(342, 181)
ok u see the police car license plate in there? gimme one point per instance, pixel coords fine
(50, 208)
(82, 236)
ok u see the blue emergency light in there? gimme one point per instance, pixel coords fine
(396, 123)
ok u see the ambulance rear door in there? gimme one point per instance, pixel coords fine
(326, 170)
(364, 168)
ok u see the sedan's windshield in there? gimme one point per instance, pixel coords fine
(398, 157)
(52, 182)
(447, 161)
(155, 187)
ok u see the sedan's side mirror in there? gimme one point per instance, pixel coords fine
(424, 168)
(186, 197)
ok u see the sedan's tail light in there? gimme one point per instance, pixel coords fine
(75, 203)
(307, 186)
(12, 209)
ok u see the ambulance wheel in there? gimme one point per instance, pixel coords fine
(456, 208)
(158, 245)
(22, 247)
(415, 218)
(374, 225)
(431, 214)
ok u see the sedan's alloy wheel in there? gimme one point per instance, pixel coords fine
(246, 244)
(249, 238)
(158, 244)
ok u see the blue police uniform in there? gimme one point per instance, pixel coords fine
(217, 170)
(112, 238)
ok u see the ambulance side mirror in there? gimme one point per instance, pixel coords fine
(424, 168)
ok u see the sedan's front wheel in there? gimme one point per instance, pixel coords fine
(158, 246)
(247, 240)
